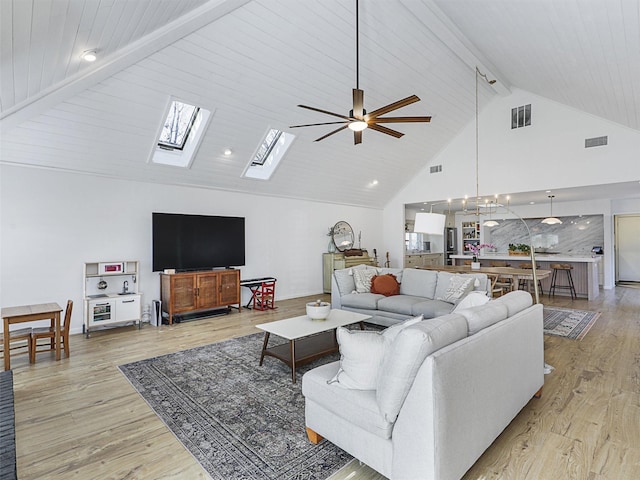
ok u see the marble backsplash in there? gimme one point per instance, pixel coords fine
(575, 235)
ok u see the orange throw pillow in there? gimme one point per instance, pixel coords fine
(386, 285)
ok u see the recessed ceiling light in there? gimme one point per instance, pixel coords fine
(227, 152)
(89, 55)
(532, 203)
(374, 182)
(547, 191)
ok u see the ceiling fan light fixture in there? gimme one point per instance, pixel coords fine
(490, 223)
(358, 126)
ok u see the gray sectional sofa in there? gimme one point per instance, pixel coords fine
(444, 389)
(420, 291)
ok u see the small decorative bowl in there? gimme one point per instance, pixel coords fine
(316, 312)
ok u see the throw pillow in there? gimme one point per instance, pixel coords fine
(344, 280)
(386, 285)
(361, 353)
(458, 287)
(363, 278)
(474, 299)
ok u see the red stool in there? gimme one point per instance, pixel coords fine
(265, 296)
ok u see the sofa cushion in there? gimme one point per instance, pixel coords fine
(397, 272)
(406, 354)
(457, 289)
(444, 277)
(419, 283)
(431, 308)
(361, 353)
(367, 301)
(484, 316)
(362, 278)
(344, 278)
(386, 285)
(399, 304)
(357, 407)
(474, 299)
(515, 301)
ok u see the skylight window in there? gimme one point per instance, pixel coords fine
(178, 125)
(180, 134)
(268, 155)
(266, 147)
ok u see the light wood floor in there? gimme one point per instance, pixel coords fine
(80, 418)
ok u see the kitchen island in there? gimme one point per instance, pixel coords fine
(585, 269)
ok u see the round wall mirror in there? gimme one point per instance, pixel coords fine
(343, 236)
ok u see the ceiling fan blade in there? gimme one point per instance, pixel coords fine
(388, 131)
(315, 124)
(358, 103)
(330, 133)
(393, 106)
(357, 137)
(399, 119)
(326, 112)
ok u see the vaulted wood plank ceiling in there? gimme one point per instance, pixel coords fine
(252, 62)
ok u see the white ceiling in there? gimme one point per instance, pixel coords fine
(252, 61)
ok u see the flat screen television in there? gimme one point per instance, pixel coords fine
(197, 242)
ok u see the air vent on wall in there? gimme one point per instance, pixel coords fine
(595, 141)
(435, 169)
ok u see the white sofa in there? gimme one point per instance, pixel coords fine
(464, 393)
(420, 293)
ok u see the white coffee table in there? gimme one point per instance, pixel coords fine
(308, 339)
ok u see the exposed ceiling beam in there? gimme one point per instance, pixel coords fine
(451, 36)
(123, 58)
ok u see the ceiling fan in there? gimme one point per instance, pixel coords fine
(358, 119)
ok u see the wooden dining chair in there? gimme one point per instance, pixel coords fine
(528, 284)
(496, 290)
(50, 334)
(19, 340)
(506, 283)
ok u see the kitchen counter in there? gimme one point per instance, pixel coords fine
(110, 295)
(542, 257)
(422, 259)
(584, 273)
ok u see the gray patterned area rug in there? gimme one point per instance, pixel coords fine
(239, 420)
(567, 322)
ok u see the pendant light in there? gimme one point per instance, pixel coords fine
(490, 222)
(551, 220)
(430, 223)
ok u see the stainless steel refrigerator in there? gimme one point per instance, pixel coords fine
(451, 244)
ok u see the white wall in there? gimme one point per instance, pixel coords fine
(52, 222)
(549, 154)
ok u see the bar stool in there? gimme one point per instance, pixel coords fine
(562, 267)
(525, 284)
